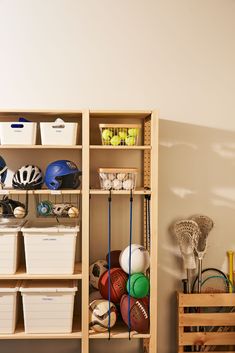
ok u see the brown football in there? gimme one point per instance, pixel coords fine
(114, 257)
(139, 313)
(118, 280)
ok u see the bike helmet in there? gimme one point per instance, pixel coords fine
(62, 174)
(28, 177)
(3, 171)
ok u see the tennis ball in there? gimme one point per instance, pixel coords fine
(139, 285)
(19, 212)
(133, 132)
(122, 135)
(107, 134)
(130, 141)
(115, 140)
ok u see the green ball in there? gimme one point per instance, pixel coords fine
(130, 141)
(107, 134)
(115, 140)
(122, 135)
(133, 132)
(139, 285)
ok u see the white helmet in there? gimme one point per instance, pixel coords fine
(28, 177)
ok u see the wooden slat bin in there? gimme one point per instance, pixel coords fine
(219, 321)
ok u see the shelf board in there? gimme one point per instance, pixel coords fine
(119, 114)
(21, 335)
(138, 191)
(129, 148)
(118, 331)
(21, 274)
(40, 147)
(39, 192)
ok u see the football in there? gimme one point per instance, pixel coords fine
(118, 280)
(114, 256)
(95, 272)
(99, 315)
(139, 313)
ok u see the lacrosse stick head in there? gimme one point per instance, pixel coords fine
(187, 234)
(205, 225)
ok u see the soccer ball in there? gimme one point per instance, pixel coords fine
(96, 271)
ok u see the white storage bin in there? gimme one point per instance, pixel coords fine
(8, 306)
(48, 306)
(18, 133)
(49, 247)
(59, 133)
(9, 233)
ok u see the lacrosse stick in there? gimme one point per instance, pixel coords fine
(187, 233)
(205, 225)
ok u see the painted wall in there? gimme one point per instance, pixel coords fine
(177, 56)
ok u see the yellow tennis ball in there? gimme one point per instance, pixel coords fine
(19, 212)
(73, 212)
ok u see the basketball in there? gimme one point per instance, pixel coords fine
(99, 315)
(19, 212)
(139, 259)
(114, 257)
(139, 285)
(139, 313)
(95, 272)
(118, 280)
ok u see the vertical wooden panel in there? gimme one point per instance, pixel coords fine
(85, 230)
(154, 230)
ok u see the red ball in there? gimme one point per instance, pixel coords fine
(139, 313)
(118, 280)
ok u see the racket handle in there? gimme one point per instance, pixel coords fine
(185, 285)
(230, 254)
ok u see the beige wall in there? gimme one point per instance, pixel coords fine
(177, 56)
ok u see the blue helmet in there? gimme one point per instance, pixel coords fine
(62, 174)
(3, 171)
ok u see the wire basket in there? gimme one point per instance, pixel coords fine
(120, 134)
(14, 208)
(118, 178)
(58, 206)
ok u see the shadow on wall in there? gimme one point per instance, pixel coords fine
(196, 175)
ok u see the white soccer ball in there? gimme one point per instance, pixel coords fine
(95, 272)
(99, 315)
(139, 259)
(73, 212)
(19, 212)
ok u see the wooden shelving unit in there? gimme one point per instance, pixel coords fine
(89, 153)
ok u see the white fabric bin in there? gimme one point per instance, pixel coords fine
(58, 133)
(9, 240)
(48, 306)
(8, 306)
(18, 133)
(50, 248)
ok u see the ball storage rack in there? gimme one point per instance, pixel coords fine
(90, 154)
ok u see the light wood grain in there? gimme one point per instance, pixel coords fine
(138, 191)
(207, 319)
(21, 274)
(43, 147)
(206, 299)
(207, 338)
(124, 148)
(118, 331)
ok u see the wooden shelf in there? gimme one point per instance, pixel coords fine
(129, 148)
(138, 191)
(21, 335)
(118, 331)
(39, 192)
(140, 114)
(21, 274)
(40, 147)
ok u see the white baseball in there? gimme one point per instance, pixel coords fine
(107, 184)
(73, 212)
(117, 184)
(128, 184)
(19, 212)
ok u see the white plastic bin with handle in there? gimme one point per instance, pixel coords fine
(59, 132)
(48, 306)
(8, 306)
(50, 248)
(18, 133)
(9, 241)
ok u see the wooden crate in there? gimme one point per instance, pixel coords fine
(221, 337)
